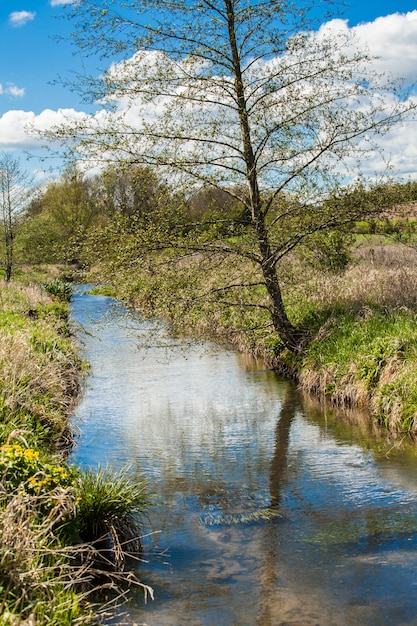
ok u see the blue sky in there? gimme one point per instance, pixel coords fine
(30, 58)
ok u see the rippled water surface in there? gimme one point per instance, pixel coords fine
(267, 512)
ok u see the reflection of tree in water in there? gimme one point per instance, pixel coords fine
(224, 507)
(282, 434)
(344, 540)
(278, 604)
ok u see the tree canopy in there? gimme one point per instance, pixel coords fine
(251, 97)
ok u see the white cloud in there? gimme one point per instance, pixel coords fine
(16, 125)
(20, 18)
(18, 92)
(392, 39)
(12, 133)
(60, 3)
(12, 90)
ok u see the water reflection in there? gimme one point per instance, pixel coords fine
(290, 403)
(223, 441)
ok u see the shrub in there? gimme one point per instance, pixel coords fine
(328, 251)
(59, 288)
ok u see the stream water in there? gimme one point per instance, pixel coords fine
(222, 441)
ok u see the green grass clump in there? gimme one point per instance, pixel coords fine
(110, 507)
(61, 530)
(373, 336)
(103, 290)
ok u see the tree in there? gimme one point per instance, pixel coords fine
(69, 210)
(216, 93)
(132, 191)
(15, 193)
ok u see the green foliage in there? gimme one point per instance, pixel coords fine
(38, 240)
(25, 468)
(329, 251)
(59, 288)
(103, 290)
(398, 229)
(29, 473)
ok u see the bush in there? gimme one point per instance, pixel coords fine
(59, 288)
(328, 251)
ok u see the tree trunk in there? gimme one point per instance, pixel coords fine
(8, 273)
(289, 335)
(9, 251)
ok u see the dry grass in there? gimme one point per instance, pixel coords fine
(42, 580)
(383, 276)
(39, 370)
(348, 392)
(28, 376)
(35, 573)
(15, 296)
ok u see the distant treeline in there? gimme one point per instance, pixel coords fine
(64, 220)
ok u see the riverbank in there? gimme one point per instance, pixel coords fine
(52, 514)
(360, 323)
(40, 371)
(365, 352)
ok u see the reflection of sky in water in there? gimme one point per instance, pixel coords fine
(172, 409)
(347, 470)
(219, 439)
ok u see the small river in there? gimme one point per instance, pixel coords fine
(222, 441)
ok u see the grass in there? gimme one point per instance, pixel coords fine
(35, 573)
(103, 290)
(29, 275)
(39, 368)
(59, 288)
(109, 507)
(63, 531)
(364, 353)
